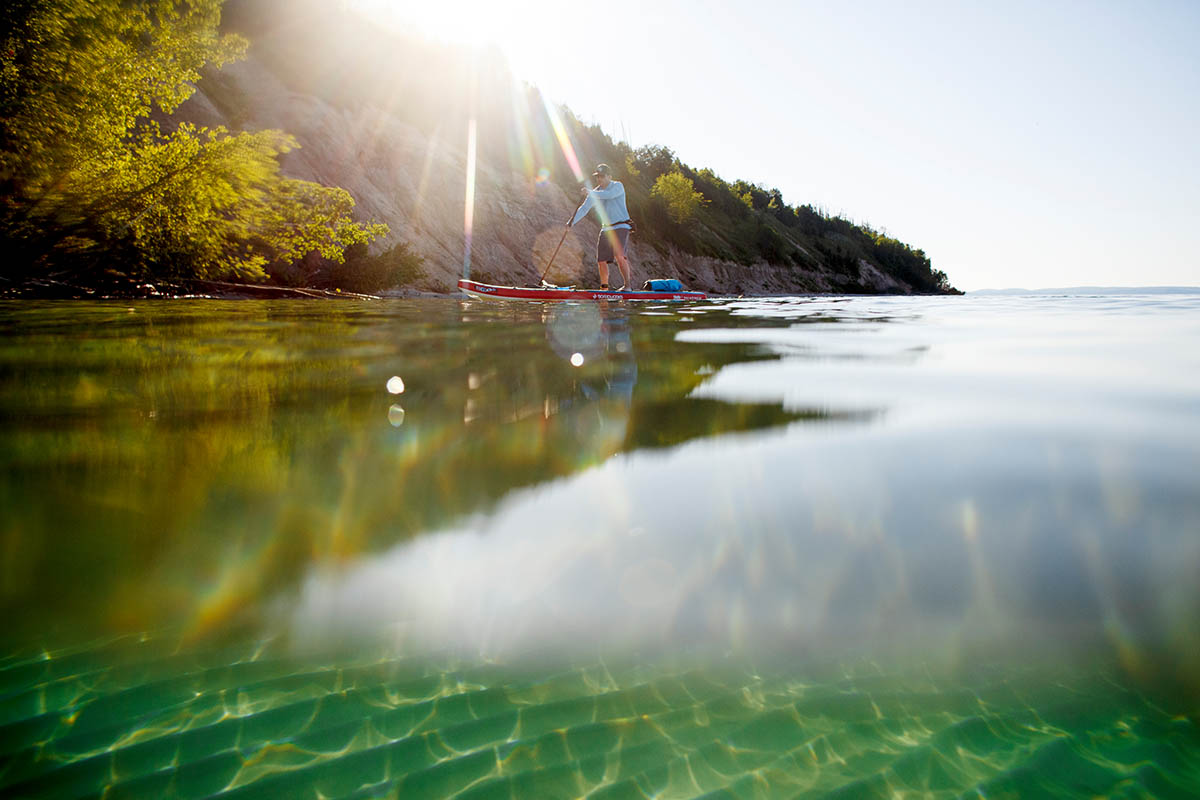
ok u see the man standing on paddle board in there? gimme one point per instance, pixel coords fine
(608, 198)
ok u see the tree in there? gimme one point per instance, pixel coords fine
(753, 195)
(719, 194)
(88, 180)
(781, 210)
(678, 194)
(652, 161)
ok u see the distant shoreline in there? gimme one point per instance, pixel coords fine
(1090, 290)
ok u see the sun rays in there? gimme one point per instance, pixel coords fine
(447, 71)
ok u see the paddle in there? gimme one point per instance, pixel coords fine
(566, 230)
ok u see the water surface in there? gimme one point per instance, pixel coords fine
(770, 548)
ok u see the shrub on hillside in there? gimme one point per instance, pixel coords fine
(679, 195)
(363, 272)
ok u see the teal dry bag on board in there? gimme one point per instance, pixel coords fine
(663, 285)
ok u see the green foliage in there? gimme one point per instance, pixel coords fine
(89, 182)
(652, 161)
(771, 245)
(208, 204)
(809, 220)
(942, 281)
(678, 194)
(225, 93)
(781, 210)
(76, 76)
(362, 272)
(753, 196)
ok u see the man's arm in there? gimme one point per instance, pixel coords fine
(615, 189)
(588, 202)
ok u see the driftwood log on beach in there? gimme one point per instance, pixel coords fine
(229, 289)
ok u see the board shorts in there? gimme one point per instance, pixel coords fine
(610, 243)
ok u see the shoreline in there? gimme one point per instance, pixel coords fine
(228, 290)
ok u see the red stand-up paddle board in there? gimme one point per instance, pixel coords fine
(567, 293)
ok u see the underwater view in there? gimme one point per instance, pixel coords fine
(853, 547)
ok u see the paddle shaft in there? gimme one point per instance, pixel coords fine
(560, 241)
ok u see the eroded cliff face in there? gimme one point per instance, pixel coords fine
(416, 183)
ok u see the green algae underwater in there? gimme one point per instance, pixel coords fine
(797, 547)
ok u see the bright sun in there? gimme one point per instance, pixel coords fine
(529, 32)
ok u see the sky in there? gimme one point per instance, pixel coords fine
(1030, 144)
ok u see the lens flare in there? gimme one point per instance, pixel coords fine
(543, 177)
(469, 202)
(396, 416)
(564, 138)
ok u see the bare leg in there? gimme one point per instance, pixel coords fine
(626, 270)
(623, 264)
(602, 266)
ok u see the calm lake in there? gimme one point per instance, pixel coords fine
(797, 547)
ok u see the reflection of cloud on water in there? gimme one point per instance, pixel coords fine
(857, 543)
(965, 532)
